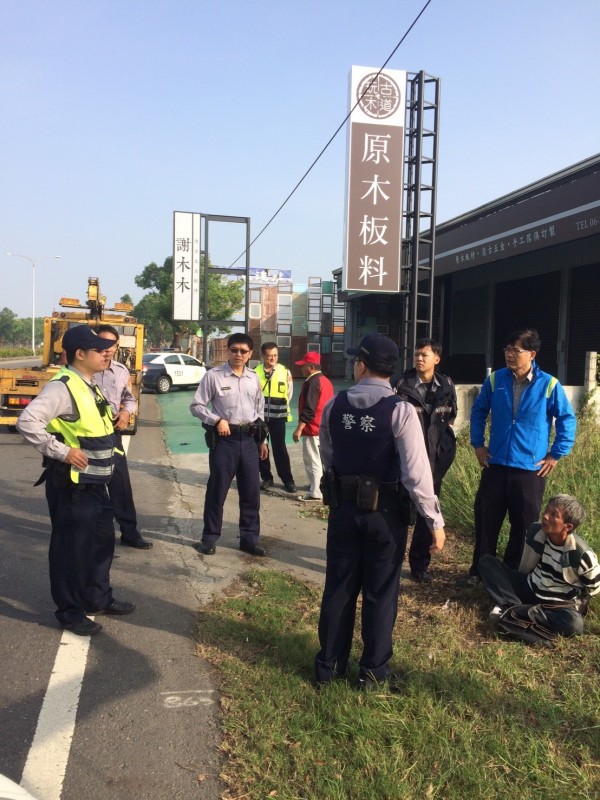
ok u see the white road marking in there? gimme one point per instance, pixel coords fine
(46, 764)
(12, 791)
(187, 698)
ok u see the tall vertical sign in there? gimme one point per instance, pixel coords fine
(186, 265)
(374, 180)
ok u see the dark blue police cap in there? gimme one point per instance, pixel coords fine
(82, 337)
(378, 352)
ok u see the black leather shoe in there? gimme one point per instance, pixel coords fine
(421, 576)
(205, 548)
(139, 544)
(393, 684)
(268, 484)
(87, 627)
(291, 487)
(118, 607)
(252, 549)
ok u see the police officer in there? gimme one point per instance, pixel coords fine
(235, 428)
(115, 383)
(70, 424)
(278, 388)
(434, 397)
(371, 445)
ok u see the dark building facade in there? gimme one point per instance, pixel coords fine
(530, 258)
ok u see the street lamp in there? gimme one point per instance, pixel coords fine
(33, 262)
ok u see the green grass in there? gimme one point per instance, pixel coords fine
(480, 717)
(14, 352)
(578, 474)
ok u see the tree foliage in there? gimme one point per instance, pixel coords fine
(7, 325)
(155, 309)
(16, 331)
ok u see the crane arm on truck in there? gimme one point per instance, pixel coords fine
(19, 385)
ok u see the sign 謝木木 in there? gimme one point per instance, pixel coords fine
(186, 265)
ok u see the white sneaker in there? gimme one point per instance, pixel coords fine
(496, 613)
(308, 498)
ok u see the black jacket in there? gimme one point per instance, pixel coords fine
(437, 430)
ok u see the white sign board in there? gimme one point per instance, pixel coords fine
(186, 266)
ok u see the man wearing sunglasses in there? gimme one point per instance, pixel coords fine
(523, 402)
(69, 423)
(230, 403)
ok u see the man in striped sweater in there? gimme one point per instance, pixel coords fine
(548, 595)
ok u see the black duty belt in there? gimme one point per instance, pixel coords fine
(241, 430)
(349, 483)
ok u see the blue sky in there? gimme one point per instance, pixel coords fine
(117, 113)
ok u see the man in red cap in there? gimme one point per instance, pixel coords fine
(316, 391)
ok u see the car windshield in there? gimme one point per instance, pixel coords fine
(148, 357)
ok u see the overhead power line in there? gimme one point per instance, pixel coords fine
(337, 130)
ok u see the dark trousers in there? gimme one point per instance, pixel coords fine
(419, 554)
(81, 549)
(508, 587)
(365, 550)
(236, 457)
(281, 456)
(505, 489)
(121, 495)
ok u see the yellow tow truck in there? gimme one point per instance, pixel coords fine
(19, 385)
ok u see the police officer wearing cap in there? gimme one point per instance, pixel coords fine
(371, 445)
(115, 384)
(230, 404)
(70, 424)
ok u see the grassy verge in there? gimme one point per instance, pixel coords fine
(480, 717)
(14, 352)
(578, 474)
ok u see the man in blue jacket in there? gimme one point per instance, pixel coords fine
(524, 402)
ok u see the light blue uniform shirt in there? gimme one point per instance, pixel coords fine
(238, 399)
(115, 384)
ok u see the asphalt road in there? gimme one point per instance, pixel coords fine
(21, 361)
(147, 721)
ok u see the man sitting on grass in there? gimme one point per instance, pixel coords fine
(548, 595)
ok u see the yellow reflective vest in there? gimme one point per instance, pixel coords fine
(275, 390)
(91, 432)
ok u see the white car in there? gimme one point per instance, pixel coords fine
(160, 371)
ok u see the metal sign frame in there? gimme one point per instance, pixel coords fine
(191, 240)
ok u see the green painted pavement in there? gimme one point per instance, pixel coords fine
(185, 434)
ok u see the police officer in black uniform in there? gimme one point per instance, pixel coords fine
(371, 445)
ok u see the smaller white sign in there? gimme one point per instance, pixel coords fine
(186, 265)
